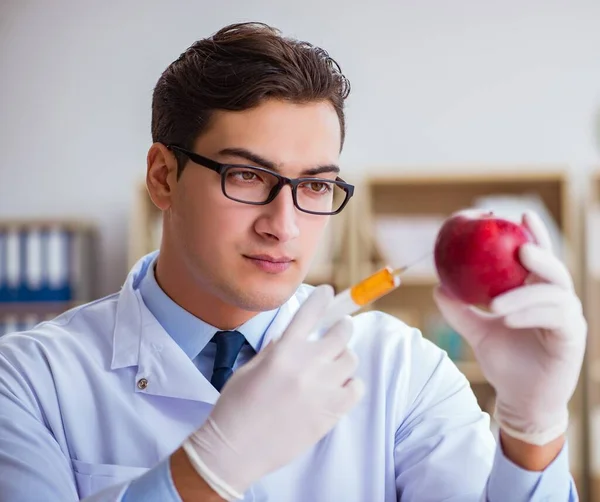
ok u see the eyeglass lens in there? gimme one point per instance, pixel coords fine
(245, 184)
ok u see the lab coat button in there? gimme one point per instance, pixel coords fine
(142, 383)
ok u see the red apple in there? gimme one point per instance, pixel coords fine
(476, 255)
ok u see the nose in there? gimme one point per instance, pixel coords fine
(279, 220)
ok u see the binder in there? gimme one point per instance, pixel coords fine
(22, 288)
(13, 265)
(46, 262)
(81, 276)
(3, 280)
(58, 265)
(33, 268)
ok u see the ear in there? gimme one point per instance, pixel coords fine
(161, 175)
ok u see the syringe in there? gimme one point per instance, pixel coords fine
(364, 292)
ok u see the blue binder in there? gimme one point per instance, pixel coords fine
(23, 294)
(3, 280)
(59, 259)
(33, 285)
(44, 264)
(13, 267)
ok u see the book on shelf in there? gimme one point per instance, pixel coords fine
(46, 268)
(45, 263)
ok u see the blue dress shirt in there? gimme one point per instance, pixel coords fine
(93, 403)
(192, 334)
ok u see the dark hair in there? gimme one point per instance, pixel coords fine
(236, 69)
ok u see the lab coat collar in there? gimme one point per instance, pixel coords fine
(139, 340)
(189, 332)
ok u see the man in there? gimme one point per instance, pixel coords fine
(134, 397)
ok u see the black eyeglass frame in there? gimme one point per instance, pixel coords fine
(222, 169)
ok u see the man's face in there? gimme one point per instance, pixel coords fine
(230, 249)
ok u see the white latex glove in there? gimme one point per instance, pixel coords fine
(531, 346)
(278, 404)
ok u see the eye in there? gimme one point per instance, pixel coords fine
(319, 187)
(247, 175)
(243, 175)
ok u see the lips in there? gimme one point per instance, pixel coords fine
(270, 264)
(272, 259)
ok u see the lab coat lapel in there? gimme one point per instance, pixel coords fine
(166, 367)
(163, 369)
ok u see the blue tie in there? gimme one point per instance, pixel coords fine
(229, 344)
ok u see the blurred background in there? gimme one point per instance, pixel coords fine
(453, 104)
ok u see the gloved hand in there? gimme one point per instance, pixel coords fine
(279, 404)
(531, 346)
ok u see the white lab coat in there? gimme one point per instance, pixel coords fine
(91, 423)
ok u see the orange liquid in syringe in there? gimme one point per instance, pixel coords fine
(373, 287)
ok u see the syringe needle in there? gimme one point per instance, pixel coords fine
(365, 292)
(398, 271)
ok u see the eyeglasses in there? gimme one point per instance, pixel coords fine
(259, 186)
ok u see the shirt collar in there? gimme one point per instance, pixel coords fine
(140, 340)
(189, 332)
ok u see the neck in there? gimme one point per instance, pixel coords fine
(175, 280)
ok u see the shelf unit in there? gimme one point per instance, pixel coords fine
(439, 194)
(591, 301)
(18, 315)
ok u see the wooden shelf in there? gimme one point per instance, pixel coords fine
(68, 224)
(142, 237)
(591, 303)
(436, 196)
(485, 174)
(432, 198)
(39, 308)
(416, 196)
(594, 371)
(76, 242)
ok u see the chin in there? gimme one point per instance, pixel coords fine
(263, 297)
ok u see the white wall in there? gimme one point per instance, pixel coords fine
(434, 82)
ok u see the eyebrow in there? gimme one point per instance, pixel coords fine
(262, 162)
